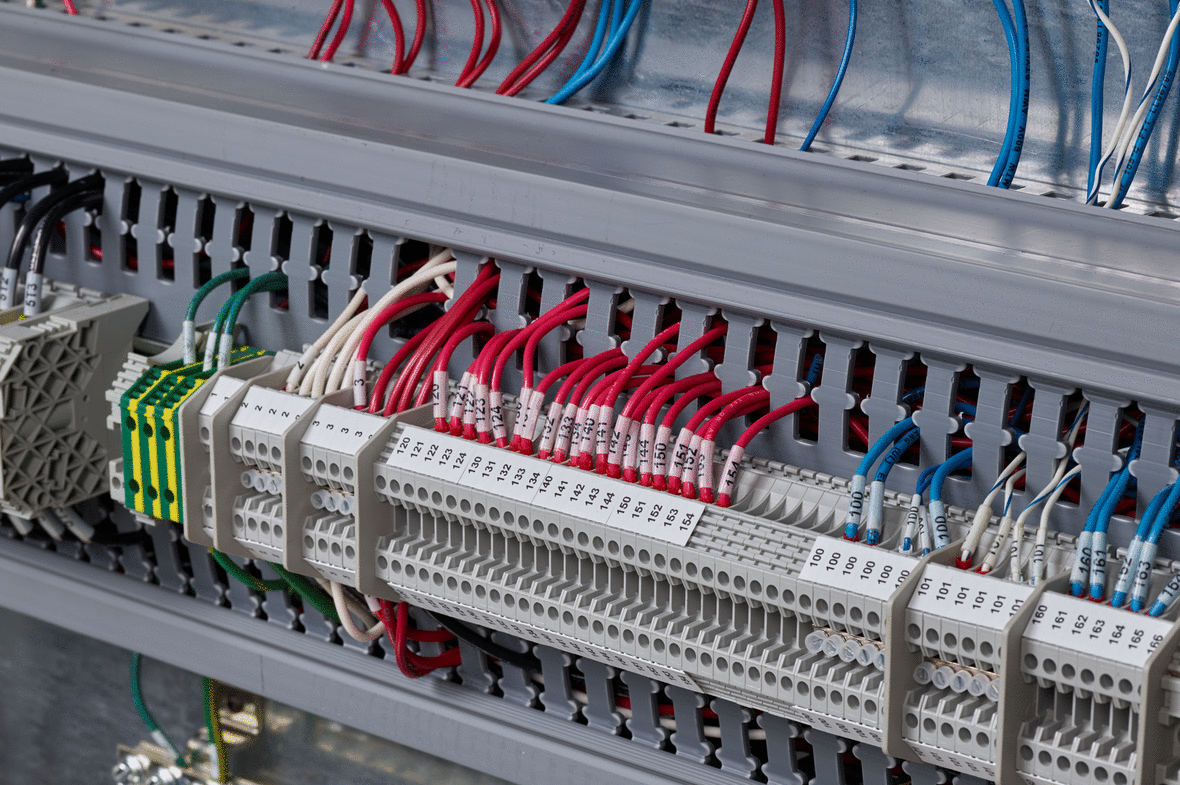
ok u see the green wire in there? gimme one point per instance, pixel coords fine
(144, 713)
(211, 340)
(270, 282)
(288, 580)
(309, 592)
(208, 288)
(213, 726)
(234, 571)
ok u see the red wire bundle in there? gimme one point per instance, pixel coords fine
(475, 66)
(535, 63)
(397, 630)
(71, 9)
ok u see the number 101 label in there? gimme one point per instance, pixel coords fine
(864, 569)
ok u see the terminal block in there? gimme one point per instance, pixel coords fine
(150, 434)
(722, 600)
(54, 367)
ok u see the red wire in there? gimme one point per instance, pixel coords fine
(476, 44)
(776, 81)
(534, 64)
(419, 35)
(377, 397)
(735, 48)
(493, 46)
(389, 314)
(399, 38)
(660, 481)
(411, 665)
(341, 31)
(71, 9)
(462, 311)
(325, 28)
(774, 415)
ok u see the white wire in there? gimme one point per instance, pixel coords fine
(1038, 562)
(983, 513)
(319, 370)
(345, 608)
(432, 269)
(989, 561)
(1141, 113)
(1128, 89)
(312, 352)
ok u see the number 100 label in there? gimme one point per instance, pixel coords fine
(863, 569)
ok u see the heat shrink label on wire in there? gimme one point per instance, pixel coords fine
(223, 390)
(857, 568)
(1110, 633)
(553, 639)
(270, 411)
(968, 596)
(530, 481)
(341, 430)
(8, 286)
(33, 293)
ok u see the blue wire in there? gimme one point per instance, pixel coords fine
(1025, 66)
(604, 14)
(849, 39)
(892, 435)
(1120, 482)
(817, 365)
(580, 80)
(924, 479)
(957, 461)
(1097, 87)
(1161, 96)
(1014, 93)
(892, 457)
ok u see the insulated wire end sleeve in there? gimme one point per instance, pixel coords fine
(158, 735)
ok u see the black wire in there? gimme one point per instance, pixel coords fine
(86, 199)
(48, 177)
(468, 635)
(40, 209)
(14, 169)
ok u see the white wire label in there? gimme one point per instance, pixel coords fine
(340, 429)
(529, 481)
(270, 411)
(977, 599)
(863, 569)
(1110, 633)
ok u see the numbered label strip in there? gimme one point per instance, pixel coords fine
(223, 389)
(968, 596)
(557, 641)
(561, 489)
(863, 569)
(270, 411)
(341, 430)
(1106, 632)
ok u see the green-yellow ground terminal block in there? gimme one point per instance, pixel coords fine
(151, 444)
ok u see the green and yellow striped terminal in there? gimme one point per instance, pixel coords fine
(151, 443)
